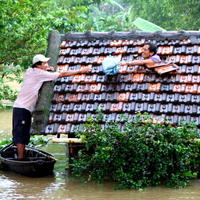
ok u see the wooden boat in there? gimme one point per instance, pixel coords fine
(36, 163)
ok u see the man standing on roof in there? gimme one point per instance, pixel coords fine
(27, 98)
(151, 59)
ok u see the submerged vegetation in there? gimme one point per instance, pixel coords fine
(142, 154)
(36, 140)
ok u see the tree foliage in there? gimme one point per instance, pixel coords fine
(169, 14)
(25, 24)
(9, 73)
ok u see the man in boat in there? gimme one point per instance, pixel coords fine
(151, 59)
(26, 100)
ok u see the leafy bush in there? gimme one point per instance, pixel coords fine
(143, 154)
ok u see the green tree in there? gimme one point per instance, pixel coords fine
(169, 14)
(25, 24)
(184, 14)
(24, 27)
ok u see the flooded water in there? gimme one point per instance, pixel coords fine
(61, 187)
(5, 124)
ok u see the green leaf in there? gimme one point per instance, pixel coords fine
(116, 4)
(145, 25)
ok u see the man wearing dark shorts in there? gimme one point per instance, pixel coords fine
(26, 100)
(21, 125)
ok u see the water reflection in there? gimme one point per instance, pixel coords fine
(7, 187)
(19, 187)
(14, 186)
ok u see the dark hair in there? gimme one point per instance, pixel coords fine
(152, 48)
(36, 64)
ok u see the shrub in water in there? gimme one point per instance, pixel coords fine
(143, 154)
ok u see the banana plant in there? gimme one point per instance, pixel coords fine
(145, 25)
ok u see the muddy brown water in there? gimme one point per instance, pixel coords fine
(61, 187)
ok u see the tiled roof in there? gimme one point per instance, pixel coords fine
(174, 96)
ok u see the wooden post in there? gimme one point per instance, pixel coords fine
(40, 115)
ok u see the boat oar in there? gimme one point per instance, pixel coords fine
(7, 147)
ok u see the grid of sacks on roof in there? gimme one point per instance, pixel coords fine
(172, 96)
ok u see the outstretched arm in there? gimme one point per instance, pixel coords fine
(148, 62)
(69, 73)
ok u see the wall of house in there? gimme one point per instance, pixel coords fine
(173, 96)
